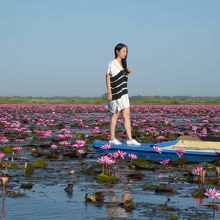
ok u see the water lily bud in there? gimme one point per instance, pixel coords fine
(72, 172)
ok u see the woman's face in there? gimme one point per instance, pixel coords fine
(122, 52)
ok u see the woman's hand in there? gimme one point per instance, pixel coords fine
(129, 70)
(109, 96)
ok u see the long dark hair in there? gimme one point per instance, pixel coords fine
(124, 61)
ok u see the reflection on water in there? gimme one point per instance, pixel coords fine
(3, 213)
(115, 211)
(48, 200)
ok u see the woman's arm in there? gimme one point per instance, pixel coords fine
(129, 70)
(108, 86)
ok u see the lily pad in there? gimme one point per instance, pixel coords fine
(159, 188)
(38, 152)
(142, 164)
(7, 149)
(52, 156)
(39, 164)
(26, 186)
(136, 176)
(107, 179)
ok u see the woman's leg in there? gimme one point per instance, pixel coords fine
(127, 122)
(113, 122)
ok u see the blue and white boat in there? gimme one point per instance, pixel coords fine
(169, 150)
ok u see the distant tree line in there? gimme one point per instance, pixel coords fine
(134, 97)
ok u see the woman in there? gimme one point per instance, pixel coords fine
(117, 93)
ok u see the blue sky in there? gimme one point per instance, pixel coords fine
(61, 48)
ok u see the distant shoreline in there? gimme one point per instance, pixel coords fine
(153, 100)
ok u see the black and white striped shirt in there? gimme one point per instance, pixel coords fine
(118, 79)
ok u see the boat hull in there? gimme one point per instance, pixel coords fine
(147, 152)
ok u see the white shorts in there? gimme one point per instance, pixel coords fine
(117, 105)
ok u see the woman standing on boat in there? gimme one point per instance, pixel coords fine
(117, 93)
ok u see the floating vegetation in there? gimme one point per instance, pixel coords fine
(142, 164)
(96, 197)
(39, 164)
(107, 178)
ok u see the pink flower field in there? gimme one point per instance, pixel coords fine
(46, 153)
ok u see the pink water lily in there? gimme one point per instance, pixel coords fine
(45, 134)
(106, 147)
(1, 156)
(65, 143)
(157, 149)
(67, 136)
(165, 162)
(106, 160)
(160, 138)
(17, 149)
(213, 193)
(79, 144)
(180, 152)
(65, 131)
(204, 132)
(194, 128)
(60, 136)
(117, 154)
(19, 140)
(3, 140)
(121, 154)
(132, 156)
(53, 146)
(113, 155)
(198, 171)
